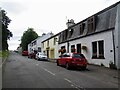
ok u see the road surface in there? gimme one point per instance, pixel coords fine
(22, 72)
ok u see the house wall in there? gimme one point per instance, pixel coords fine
(107, 28)
(87, 41)
(108, 46)
(38, 41)
(53, 49)
(117, 37)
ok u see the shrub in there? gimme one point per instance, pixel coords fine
(112, 65)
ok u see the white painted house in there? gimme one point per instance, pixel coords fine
(35, 45)
(96, 37)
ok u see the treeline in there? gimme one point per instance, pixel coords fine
(5, 33)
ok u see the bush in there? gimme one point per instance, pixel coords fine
(112, 65)
(4, 54)
(102, 64)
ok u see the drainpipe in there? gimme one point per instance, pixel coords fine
(114, 47)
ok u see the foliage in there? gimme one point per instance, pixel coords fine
(102, 64)
(84, 47)
(27, 37)
(6, 34)
(112, 65)
(63, 50)
(4, 54)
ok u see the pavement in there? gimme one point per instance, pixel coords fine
(101, 69)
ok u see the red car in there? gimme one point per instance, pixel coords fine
(24, 53)
(70, 60)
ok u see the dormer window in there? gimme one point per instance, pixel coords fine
(82, 26)
(91, 24)
(71, 32)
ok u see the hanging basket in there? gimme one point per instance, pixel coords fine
(84, 47)
(62, 50)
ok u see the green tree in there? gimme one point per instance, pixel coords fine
(27, 37)
(6, 33)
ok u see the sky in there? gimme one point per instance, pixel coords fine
(47, 15)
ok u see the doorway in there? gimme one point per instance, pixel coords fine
(78, 48)
(48, 53)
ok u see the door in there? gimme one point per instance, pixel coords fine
(48, 53)
(78, 48)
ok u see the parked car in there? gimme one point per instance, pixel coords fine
(41, 56)
(24, 53)
(70, 60)
(32, 54)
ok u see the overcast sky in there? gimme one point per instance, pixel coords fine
(47, 15)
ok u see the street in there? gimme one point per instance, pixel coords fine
(22, 72)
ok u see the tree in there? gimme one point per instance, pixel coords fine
(27, 37)
(6, 33)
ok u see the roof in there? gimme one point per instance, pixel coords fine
(95, 14)
(51, 37)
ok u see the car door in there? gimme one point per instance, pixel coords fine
(37, 55)
(64, 59)
(60, 59)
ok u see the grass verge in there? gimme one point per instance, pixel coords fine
(4, 54)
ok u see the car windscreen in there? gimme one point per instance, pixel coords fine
(78, 56)
(42, 54)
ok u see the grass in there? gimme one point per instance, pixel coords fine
(4, 54)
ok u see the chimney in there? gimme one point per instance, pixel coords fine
(70, 23)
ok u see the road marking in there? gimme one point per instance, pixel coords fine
(67, 80)
(49, 71)
(37, 64)
(74, 85)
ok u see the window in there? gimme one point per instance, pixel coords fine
(66, 34)
(94, 47)
(48, 43)
(63, 36)
(39, 49)
(43, 44)
(91, 24)
(98, 49)
(101, 49)
(71, 32)
(34, 43)
(72, 48)
(55, 41)
(82, 26)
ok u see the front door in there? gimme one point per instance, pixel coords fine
(78, 48)
(48, 53)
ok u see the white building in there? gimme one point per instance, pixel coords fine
(36, 44)
(96, 37)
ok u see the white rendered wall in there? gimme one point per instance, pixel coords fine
(117, 37)
(87, 41)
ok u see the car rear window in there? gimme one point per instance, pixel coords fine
(78, 56)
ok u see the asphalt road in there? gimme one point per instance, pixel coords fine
(21, 72)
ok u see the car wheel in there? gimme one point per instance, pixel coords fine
(58, 63)
(83, 68)
(67, 66)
